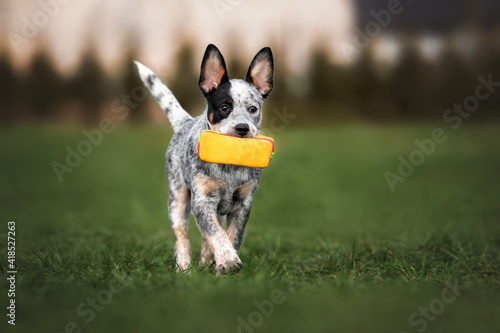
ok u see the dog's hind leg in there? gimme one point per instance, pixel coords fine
(206, 257)
(236, 224)
(237, 219)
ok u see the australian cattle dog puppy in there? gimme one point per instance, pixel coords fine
(214, 193)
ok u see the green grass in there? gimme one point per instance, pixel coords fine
(350, 255)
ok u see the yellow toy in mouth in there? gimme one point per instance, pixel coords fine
(215, 147)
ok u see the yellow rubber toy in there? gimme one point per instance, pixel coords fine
(215, 147)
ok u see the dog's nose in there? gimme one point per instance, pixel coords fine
(242, 129)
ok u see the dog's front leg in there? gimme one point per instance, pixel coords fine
(206, 255)
(179, 208)
(206, 197)
(226, 257)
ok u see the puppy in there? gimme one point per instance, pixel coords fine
(214, 193)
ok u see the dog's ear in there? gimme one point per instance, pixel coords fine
(261, 71)
(213, 70)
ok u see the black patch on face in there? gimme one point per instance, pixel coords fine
(216, 100)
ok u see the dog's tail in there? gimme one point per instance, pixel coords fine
(168, 103)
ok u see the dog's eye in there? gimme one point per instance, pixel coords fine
(224, 108)
(252, 109)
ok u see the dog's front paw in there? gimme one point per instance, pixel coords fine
(228, 261)
(225, 255)
(230, 266)
(182, 255)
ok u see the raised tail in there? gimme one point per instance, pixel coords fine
(168, 103)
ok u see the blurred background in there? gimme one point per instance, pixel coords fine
(341, 59)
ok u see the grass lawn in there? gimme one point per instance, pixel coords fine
(329, 247)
